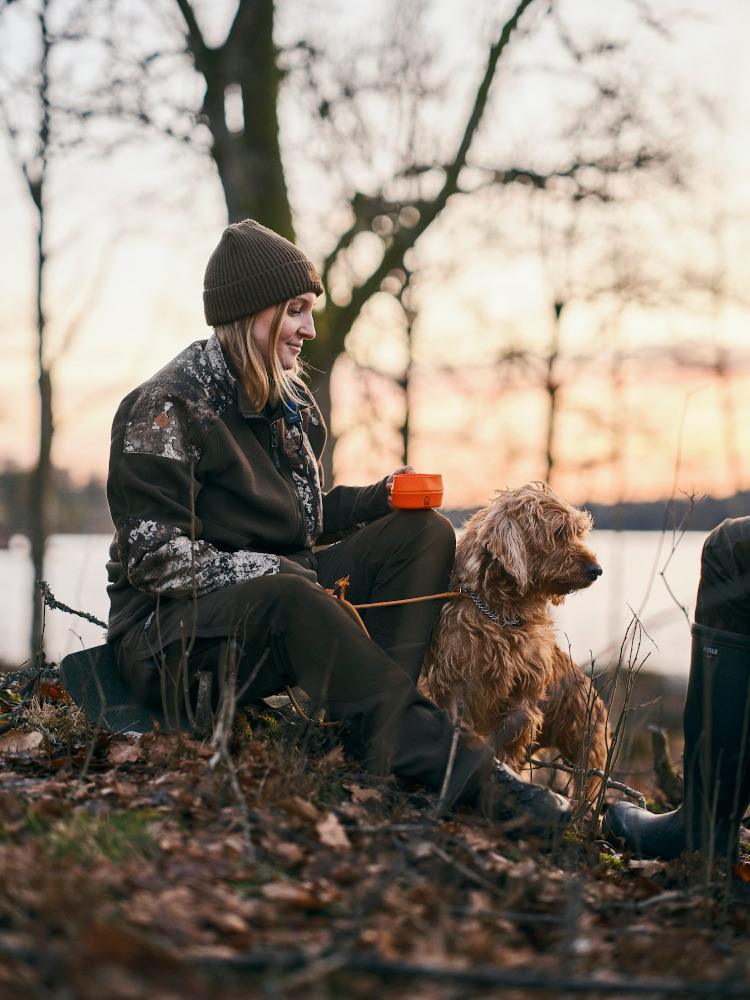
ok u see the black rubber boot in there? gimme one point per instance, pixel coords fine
(528, 809)
(716, 761)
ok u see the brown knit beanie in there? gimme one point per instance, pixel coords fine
(251, 268)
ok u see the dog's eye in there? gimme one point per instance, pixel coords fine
(560, 532)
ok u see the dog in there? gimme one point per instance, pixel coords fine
(494, 650)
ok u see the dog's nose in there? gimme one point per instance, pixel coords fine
(593, 570)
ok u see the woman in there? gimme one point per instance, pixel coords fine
(215, 494)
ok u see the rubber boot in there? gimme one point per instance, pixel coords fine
(716, 761)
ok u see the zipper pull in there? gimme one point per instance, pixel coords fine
(275, 447)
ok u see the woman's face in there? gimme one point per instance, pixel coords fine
(296, 327)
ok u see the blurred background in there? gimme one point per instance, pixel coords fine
(531, 219)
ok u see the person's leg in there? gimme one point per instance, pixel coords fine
(716, 718)
(723, 600)
(286, 630)
(406, 554)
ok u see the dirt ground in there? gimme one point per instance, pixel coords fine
(268, 864)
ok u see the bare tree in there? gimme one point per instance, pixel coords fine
(43, 120)
(360, 129)
(250, 159)
(34, 162)
(599, 152)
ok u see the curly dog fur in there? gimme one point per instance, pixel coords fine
(524, 551)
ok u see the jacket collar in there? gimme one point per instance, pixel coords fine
(215, 360)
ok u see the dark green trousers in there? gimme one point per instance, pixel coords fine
(285, 630)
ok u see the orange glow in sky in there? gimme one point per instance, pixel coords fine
(137, 291)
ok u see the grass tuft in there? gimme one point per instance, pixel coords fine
(83, 836)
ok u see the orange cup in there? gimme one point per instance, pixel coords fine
(416, 490)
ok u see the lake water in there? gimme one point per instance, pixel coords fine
(640, 569)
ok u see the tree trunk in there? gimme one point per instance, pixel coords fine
(552, 387)
(39, 498)
(40, 477)
(249, 160)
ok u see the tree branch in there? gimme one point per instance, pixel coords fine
(196, 43)
(405, 238)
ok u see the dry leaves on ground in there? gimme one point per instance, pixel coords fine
(130, 869)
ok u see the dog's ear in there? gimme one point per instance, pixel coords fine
(505, 542)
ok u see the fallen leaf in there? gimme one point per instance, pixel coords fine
(479, 840)
(332, 834)
(12, 816)
(52, 692)
(304, 895)
(227, 923)
(121, 753)
(360, 794)
(420, 849)
(297, 806)
(16, 741)
(647, 868)
(291, 853)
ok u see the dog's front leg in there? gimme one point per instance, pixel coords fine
(514, 737)
(575, 719)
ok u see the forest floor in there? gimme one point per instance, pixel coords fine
(160, 866)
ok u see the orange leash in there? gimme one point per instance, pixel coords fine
(412, 600)
(342, 585)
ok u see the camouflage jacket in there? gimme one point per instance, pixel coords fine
(204, 488)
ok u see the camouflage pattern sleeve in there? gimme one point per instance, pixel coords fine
(161, 559)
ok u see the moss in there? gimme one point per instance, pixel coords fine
(82, 836)
(242, 730)
(572, 836)
(612, 861)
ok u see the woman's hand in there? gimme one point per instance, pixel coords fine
(405, 470)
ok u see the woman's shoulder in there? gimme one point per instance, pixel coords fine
(172, 412)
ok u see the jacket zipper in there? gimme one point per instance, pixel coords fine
(295, 495)
(275, 458)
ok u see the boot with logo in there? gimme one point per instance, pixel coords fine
(716, 760)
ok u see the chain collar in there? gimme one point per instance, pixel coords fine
(488, 611)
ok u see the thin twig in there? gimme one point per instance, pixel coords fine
(387, 828)
(223, 732)
(56, 605)
(593, 772)
(440, 805)
(522, 979)
(467, 872)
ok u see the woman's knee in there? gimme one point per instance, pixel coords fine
(425, 526)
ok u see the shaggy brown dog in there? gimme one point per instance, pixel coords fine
(496, 653)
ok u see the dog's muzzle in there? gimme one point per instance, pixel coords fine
(592, 571)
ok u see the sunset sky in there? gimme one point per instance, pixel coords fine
(129, 238)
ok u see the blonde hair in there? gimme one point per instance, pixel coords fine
(260, 383)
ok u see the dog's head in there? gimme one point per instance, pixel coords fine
(530, 542)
